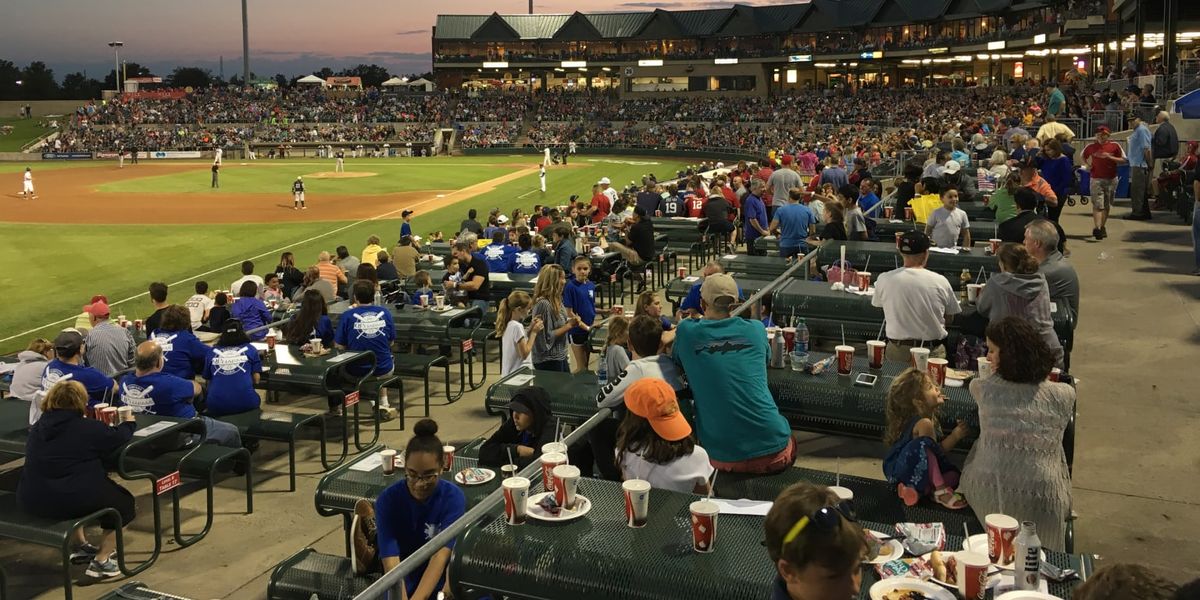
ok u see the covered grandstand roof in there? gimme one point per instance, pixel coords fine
(738, 20)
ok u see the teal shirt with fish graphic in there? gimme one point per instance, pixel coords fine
(725, 362)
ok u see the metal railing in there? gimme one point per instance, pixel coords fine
(785, 277)
(392, 581)
(1187, 76)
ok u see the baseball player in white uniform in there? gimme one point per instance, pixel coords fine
(542, 178)
(546, 160)
(217, 157)
(298, 194)
(27, 190)
(571, 147)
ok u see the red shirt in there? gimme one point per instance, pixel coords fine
(695, 205)
(765, 175)
(542, 222)
(603, 207)
(1103, 168)
(732, 199)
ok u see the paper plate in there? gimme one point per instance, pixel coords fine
(933, 591)
(889, 550)
(993, 571)
(958, 374)
(582, 506)
(1026, 595)
(979, 543)
(444, 308)
(486, 475)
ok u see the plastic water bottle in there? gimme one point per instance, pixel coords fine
(378, 298)
(1027, 573)
(602, 373)
(802, 336)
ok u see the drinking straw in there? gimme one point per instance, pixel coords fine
(712, 484)
(558, 429)
(980, 277)
(838, 474)
(867, 267)
(880, 336)
(966, 538)
(843, 326)
(510, 459)
(895, 261)
(793, 323)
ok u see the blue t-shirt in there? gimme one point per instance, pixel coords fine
(726, 365)
(367, 328)
(253, 314)
(97, 384)
(496, 257)
(524, 261)
(581, 298)
(866, 202)
(323, 330)
(794, 222)
(754, 209)
(183, 353)
(426, 292)
(403, 524)
(405, 229)
(160, 394)
(692, 300)
(230, 374)
(672, 207)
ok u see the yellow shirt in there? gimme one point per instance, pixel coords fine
(370, 254)
(923, 206)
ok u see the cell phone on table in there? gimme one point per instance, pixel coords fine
(866, 380)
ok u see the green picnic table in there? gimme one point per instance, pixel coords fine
(887, 229)
(880, 257)
(14, 428)
(598, 557)
(765, 267)
(750, 284)
(572, 396)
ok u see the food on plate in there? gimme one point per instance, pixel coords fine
(874, 545)
(945, 568)
(957, 374)
(548, 504)
(905, 595)
(472, 475)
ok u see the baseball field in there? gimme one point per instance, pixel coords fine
(96, 228)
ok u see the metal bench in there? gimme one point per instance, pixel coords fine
(308, 574)
(136, 590)
(16, 524)
(420, 365)
(281, 427)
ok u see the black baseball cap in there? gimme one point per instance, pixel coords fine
(406, 213)
(914, 242)
(70, 340)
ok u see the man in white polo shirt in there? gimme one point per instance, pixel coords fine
(607, 190)
(916, 302)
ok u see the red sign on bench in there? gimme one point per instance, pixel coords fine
(169, 482)
(468, 345)
(351, 398)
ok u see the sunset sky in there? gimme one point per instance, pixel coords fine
(286, 36)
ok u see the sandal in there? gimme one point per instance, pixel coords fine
(950, 499)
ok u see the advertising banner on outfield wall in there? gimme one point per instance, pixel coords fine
(170, 154)
(66, 156)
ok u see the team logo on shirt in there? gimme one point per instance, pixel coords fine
(138, 397)
(369, 325)
(166, 342)
(431, 530)
(526, 260)
(229, 361)
(54, 376)
(493, 252)
(724, 347)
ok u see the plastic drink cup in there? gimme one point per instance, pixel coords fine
(1055, 374)
(704, 525)
(124, 414)
(888, 211)
(507, 471)
(448, 453)
(566, 483)
(516, 495)
(789, 338)
(1001, 531)
(121, 320)
(270, 341)
(875, 350)
(985, 366)
(552, 447)
(973, 290)
(899, 234)
(994, 245)
(618, 310)
(920, 358)
(843, 493)
(98, 410)
(637, 502)
(388, 458)
(109, 415)
(316, 345)
(681, 272)
(864, 281)
(439, 300)
(138, 325)
(549, 461)
(937, 370)
(424, 299)
(908, 213)
(972, 575)
(845, 359)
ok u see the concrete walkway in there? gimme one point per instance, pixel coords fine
(1137, 469)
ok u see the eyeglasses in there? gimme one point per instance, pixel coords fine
(826, 519)
(422, 478)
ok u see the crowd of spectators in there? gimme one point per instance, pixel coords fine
(486, 135)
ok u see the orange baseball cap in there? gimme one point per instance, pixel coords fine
(654, 400)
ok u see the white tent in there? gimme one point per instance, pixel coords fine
(422, 84)
(393, 82)
(311, 79)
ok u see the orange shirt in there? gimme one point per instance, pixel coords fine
(1040, 186)
(330, 273)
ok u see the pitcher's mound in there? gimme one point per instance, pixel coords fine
(333, 175)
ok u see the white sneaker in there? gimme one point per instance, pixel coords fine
(104, 570)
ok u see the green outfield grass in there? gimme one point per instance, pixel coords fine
(23, 132)
(275, 176)
(49, 271)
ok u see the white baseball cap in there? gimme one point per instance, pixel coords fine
(501, 219)
(604, 181)
(952, 167)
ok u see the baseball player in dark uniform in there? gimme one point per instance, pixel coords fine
(341, 165)
(298, 194)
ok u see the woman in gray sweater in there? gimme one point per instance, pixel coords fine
(550, 345)
(1019, 290)
(1018, 466)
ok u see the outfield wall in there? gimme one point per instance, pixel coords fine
(41, 108)
(659, 152)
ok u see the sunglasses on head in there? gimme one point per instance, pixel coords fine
(827, 518)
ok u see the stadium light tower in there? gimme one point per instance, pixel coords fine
(116, 46)
(245, 47)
